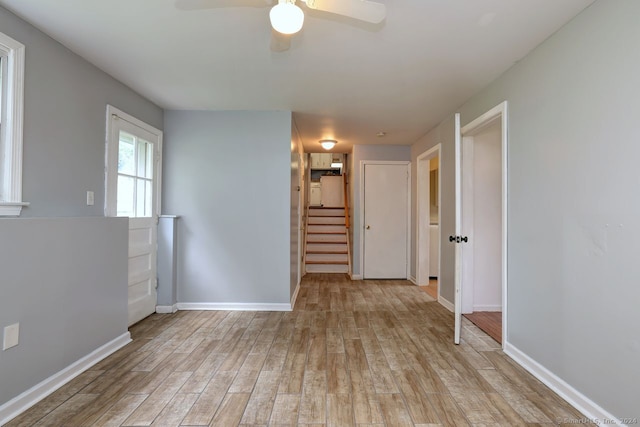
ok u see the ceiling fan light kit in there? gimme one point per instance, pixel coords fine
(328, 144)
(286, 17)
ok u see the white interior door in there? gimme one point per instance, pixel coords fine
(458, 233)
(385, 225)
(133, 191)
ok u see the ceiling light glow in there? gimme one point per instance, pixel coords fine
(328, 144)
(286, 17)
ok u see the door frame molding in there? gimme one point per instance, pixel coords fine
(423, 181)
(500, 111)
(363, 163)
(110, 152)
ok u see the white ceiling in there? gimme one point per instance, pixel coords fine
(342, 79)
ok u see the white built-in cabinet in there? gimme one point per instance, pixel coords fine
(315, 194)
(321, 160)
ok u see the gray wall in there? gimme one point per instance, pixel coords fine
(65, 281)
(228, 176)
(360, 153)
(574, 234)
(64, 123)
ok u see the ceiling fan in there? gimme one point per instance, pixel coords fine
(287, 17)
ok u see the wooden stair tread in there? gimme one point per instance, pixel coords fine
(327, 232)
(326, 216)
(327, 252)
(328, 262)
(331, 242)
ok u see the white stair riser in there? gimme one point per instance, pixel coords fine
(326, 268)
(326, 220)
(326, 228)
(326, 247)
(326, 212)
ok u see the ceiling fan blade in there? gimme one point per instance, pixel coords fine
(362, 10)
(280, 42)
(216, 4)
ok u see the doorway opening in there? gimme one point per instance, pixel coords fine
(428, 214)
(133, 189)
(481, 217)
(481, 249)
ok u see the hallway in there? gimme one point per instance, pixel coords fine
(351, 353)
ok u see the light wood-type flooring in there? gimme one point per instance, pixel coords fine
(489, 322)
(365, 353)
(431, 288)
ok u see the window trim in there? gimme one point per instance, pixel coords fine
(11, 203)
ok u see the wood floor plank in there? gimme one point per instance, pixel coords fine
(203, 410)
(337, 378)
(153, 405)
(175, 411)
(285, 410)
(339, 410)
(394, 410)
(231, 409)
(120, 411)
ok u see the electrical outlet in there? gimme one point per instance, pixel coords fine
(90, 198)
(11, 336)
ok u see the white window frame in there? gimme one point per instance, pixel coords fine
(11, 203)
(111, 159)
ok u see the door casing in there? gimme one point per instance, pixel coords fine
(498, 112)
(422, 213)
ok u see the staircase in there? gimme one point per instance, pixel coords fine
(327, 249)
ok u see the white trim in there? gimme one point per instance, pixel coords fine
(363, 163)
(412, 279)
(446, 303)
(435, 151)
(24, 401)
(457, 306)
(11, 208)
(356, 277)
(111, 159)
(487, 308)
(592, 411)
(12, 129)
(499, 111)
(233, 306)
(294, 297)
(166, 309)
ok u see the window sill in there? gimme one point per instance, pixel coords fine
(12, 208)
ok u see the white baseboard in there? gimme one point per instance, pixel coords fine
(487, 308)
(446, 304)
(356, 277)
(233, 306)
(24, 401)
(591, 410)
(294, 297)
(166, 309)
(413, 280)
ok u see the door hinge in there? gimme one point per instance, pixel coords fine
(459, 239)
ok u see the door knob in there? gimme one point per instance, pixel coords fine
(368, 227)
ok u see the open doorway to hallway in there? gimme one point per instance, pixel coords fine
(428, 232)
(482, 220)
